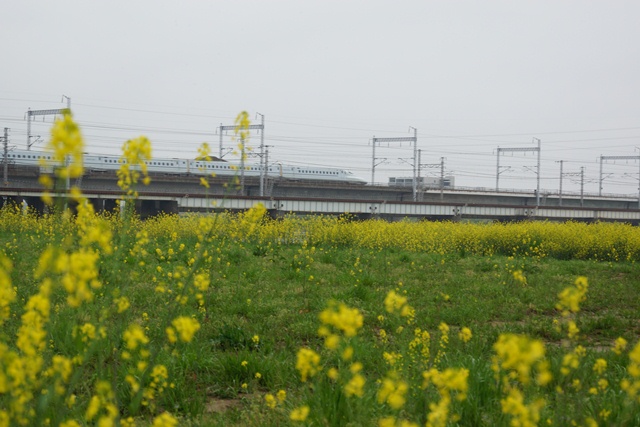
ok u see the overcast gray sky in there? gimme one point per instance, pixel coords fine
(471, 76)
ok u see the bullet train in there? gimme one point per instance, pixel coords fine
(199, 167)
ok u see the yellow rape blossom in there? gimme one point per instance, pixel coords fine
(519, 354)
(348, 320)
(632, 385)
(308, 363)
(122, 304)
(201, 282)
(204, 152)
(448, 381)
(572, 296)
(438, 413)
(299, 414)
(102, 401)
(66, 146)
(572, 330)
(355, 386)
(242, 128)
(392, 422)
(165, 420)
(7, 293)
(519, 277)
(333, 374)
(133, 163)
(347, 354)
(600, 366)
(392, 391)
(465, 334)
(394, 302)
(525, 415)
(134, 336)
(184, 328)
(619, 345)
(270, 400)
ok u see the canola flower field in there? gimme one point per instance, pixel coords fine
(238, 319)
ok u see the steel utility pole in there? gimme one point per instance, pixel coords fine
(441, 178)
(413, 139)
(581, 175)
(31, 113)
(560, 191)
(537, 149)
(619, 158)
(262, 159)
(5, 159)
(441, 166)
(419, 167)
(242, 158)
(415, 164)
(498, 169)
(266, 168)
(233, 127)
(259, 127)
(582, 186)
(68, 101)
(538, 174)
(373, 160)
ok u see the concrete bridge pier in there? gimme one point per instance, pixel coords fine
(33, 204)
(147, 208)
(103, 205)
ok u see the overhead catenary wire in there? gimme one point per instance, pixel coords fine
(316, 141)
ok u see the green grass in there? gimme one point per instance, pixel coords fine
(276, 291)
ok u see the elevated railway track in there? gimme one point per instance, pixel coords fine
(151, 203)
(183, 193)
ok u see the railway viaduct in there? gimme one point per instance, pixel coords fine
(181, 194)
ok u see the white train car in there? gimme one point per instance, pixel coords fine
(198, 167)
